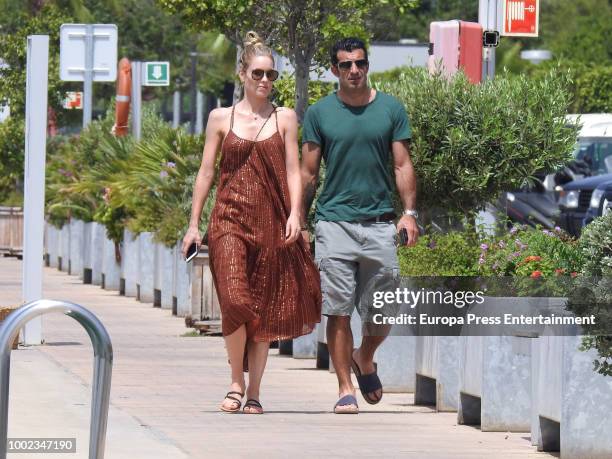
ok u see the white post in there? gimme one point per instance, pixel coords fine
(176, 109)
(34, 178)
(136, 99)
(199, 113)
(88, 75)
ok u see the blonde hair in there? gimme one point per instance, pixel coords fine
(253, 46)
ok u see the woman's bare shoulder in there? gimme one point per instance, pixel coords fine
(286, 114)
(220, 114)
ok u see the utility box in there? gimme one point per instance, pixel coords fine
(456, 45)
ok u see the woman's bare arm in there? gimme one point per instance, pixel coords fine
(206, 174)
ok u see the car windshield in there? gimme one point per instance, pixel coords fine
(596, 152)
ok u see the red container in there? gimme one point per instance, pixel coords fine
(456, 44)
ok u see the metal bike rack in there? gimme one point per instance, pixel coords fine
(103, 363)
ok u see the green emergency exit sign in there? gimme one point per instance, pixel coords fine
(156, 74)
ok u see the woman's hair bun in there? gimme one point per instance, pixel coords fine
(252, 39)
(252, 46)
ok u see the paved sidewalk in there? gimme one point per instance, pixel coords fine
(166, 389)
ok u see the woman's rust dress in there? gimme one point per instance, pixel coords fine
(261, 281)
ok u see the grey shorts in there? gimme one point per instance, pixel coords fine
(353, 259)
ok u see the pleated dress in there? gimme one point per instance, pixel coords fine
(270, 286)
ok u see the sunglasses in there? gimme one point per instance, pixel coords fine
(258, 74)
(347, 65)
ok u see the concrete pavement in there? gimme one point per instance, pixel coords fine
(166, 389)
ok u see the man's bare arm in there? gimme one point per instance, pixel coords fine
(405, 180)
(311, 162)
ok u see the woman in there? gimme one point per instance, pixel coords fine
(266, 280)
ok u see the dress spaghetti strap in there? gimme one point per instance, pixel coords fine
(232, 117)
(276, 117)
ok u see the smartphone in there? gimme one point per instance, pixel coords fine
(192, 251)
(401, 238)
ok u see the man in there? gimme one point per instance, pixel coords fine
(355, 130)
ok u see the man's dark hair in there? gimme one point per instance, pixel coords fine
(347, 44)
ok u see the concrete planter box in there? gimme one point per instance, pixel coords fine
(437, 372)
(495, 376)
(77, 230)
(87, 252)
(157, 275)
(546, 387)
(98, 239)
(64, 255)
(129, 264)
(111, 270)
(52, 245)
(586, 405)
(495, 383)
(181, 290)
(167, 276)
(572, 403)
(305, 347)
(146, 267)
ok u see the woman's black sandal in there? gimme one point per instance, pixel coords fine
(252, 403)
(238, 400)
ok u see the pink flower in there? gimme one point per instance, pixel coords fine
(536, 274)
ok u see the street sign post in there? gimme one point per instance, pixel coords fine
(37, 72)
(520, 18)
(156, 74)
(88, 53)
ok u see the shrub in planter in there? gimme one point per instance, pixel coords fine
(540, 262)
(451, 254)
(471, 142)
(533, 252)
(156, 188)
(593, 293)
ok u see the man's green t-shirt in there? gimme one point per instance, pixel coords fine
(356, 145)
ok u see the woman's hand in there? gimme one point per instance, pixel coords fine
(292, 230)
(192, 235)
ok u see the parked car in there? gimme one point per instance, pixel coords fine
(537, 204)
(601, 202)
(531, 205)
(575, 201)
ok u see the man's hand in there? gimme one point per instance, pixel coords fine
(292, 229)
(412, 229)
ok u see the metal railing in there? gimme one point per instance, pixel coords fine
(103, 363)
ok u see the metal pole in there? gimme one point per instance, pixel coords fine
(34, 177)
(492, 25)
(199, 113)
(194, 90)
(136, 99)
(176, 109)
(487, 17)
(88, 75)
(103, 363)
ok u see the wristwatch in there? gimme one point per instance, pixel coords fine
(411, 213)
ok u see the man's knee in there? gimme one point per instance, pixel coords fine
(338, 323)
